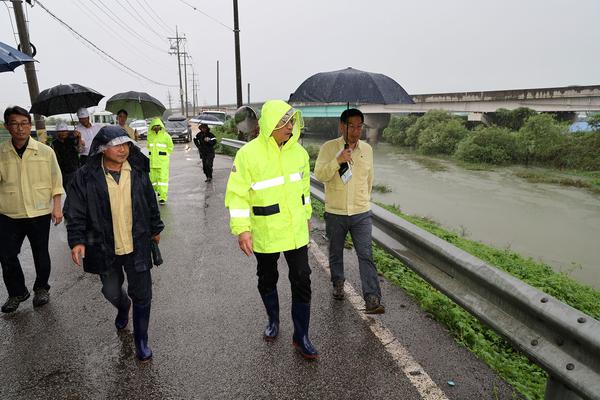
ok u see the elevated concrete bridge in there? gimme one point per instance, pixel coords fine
(569, 98)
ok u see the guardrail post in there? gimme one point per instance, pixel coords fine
(556, 390)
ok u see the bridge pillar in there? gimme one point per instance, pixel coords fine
(374, 124)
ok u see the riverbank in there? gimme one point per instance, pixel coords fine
(555, 224)
(514, 367)
(589, 180)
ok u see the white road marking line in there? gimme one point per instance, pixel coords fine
(415, 373)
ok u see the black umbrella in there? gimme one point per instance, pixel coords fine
(139, 105)
(63, 99)
(350, 86)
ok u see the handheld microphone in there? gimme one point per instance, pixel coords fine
(344, 165)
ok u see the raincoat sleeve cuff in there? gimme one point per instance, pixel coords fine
(239, 229)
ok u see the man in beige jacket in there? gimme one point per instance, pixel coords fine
(30, 179)
(345, 166)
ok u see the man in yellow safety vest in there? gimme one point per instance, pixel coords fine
(160, 147)
(268, 196)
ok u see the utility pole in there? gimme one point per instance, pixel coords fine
(175, 49)
(32, 81)
(217, 83)
(185, 55)
(248, 93)
(194, 91)
(238, 64)
(170, 100)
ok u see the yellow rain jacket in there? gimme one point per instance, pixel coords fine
(160, 147)
(268, 192)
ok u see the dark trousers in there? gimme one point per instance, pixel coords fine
(139, 284)
(360, 227)
(12, 234)
(207, 164)
(299, 273)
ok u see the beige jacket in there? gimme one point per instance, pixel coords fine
(28, 184)
(353, 197)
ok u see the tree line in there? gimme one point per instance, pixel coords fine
(520, 136)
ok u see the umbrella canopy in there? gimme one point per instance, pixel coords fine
(139, 105)
(350, 86)
(11, 58)
(63, 99)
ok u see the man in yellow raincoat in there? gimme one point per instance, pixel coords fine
(160, 147)
(268, 196)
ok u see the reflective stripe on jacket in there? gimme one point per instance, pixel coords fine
(268, 192)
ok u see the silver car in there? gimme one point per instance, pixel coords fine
(141, 127)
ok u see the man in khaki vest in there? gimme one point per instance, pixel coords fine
(345, 166)
(30, 180)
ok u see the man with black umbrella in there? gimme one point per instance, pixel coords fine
(345, 166)
(113, 219)
(67, 149)
(87, 131)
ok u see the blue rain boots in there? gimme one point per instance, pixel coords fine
(301, 318)
(271, 301)
(141, 318)
(123, 313)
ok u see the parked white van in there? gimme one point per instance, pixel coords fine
(104, 118)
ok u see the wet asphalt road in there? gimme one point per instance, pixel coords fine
(207, 321)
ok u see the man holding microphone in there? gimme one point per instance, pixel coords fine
(345, 166)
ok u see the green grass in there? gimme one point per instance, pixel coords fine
(431, 164)
(514, 367)
(4, 135)
(475, 166)
(572, 179)
(382, 188)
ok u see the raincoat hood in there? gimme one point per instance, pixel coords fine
(271, 113)
(107, 134)
(154, 122)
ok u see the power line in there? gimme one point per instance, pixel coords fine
(99, 49)
(124, 24)
(146, 24)
(122, 38)
(205, 14)
(154, 15)
(11, 23)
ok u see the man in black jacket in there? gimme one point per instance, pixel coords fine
(112, 218)
(66, 148)
(205, 142)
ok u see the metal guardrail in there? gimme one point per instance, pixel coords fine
(562, 340)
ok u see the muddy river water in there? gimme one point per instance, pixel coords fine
(557, 225)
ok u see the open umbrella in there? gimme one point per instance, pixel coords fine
(63, 99)
(11, 58)
(350, 86)
(139, 105)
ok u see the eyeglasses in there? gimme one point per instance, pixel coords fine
(355, 127)
(19, 124)
(283, 123)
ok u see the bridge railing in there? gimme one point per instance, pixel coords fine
(562, 340)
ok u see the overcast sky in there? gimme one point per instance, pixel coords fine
(427, 46)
